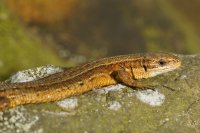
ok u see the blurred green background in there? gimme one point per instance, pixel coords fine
(65, 33)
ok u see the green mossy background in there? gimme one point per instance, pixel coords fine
(20, 49)
(92, 30)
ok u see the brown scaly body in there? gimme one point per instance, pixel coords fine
(125, 69)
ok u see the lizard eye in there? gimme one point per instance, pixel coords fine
(162, 62)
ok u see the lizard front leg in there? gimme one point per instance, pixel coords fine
(126, 78)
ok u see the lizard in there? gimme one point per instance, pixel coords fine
(124, 69)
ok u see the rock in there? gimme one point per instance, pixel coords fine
(121, 110)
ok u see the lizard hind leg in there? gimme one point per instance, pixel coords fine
(4, 103)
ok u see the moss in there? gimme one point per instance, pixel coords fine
(190, 35)
(18, 48)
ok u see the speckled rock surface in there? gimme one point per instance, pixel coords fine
(173, 107)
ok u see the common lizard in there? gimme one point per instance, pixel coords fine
(124, 69)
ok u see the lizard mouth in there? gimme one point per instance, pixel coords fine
(165, 69)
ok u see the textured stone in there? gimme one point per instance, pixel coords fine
(179, 112)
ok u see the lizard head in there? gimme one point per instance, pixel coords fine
(158, 63)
